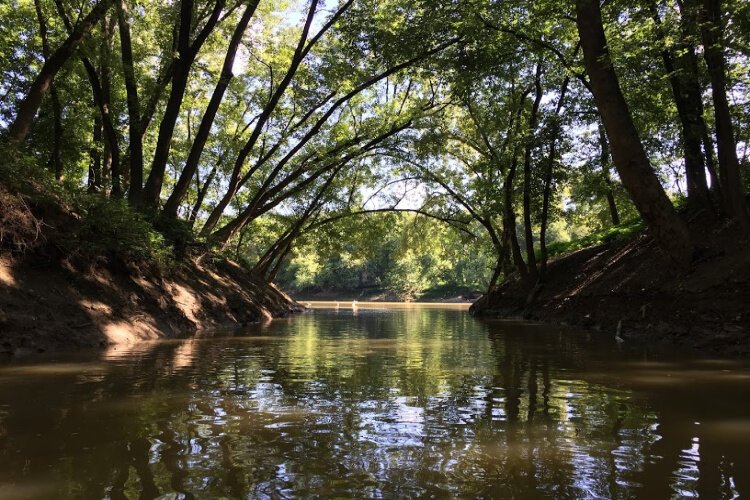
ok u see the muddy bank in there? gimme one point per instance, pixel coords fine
(56, 306)
(629, 284)
(60, 291)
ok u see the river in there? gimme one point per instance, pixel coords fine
(378, 401)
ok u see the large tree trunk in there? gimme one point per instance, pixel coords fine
(27, 108)
(187, 53)
(135, 138)
(689, 32)
(683, 93)
(688, 65)
(191, 165)
(729, 166)
(152, 190)
(628, 153)
(510, 238)
(509, 221)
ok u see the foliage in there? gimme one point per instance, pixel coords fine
(621, 232)
(399, 145)
(110, 228)
(414, 258)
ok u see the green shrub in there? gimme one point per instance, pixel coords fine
(111, 228)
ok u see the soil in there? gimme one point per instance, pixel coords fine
(53, 306)
(53, 301)
(630, 288)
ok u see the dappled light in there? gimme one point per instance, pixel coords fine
(374, 249)
(122, 332)
(6, 274)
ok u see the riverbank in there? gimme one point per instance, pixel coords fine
(64, 286)
(628, 287)
(320, 294)
(46, 306)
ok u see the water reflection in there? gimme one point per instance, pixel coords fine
(377, 403)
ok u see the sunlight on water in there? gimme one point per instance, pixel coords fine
(376, 402)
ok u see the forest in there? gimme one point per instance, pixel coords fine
(412, 149)
(374, 249)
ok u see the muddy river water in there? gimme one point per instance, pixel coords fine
(376, 402)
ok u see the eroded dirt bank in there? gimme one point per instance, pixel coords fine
(58, 295)
(47, 306)
(629, 284)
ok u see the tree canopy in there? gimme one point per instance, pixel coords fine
(424, 143)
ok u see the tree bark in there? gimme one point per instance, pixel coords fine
(187, 53)
(510, 238)
(614, 214)
(690, 114)
(27, 108)
(629, 156)
(729, 166)
(689, 32)
(548, 172)
(112, 149)
(135, 138)
(509, 221)
(196, 150)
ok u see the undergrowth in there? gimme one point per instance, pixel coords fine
(110, 228)
(82, 225)
(621, 232)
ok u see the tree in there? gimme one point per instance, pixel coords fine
(729, 168)
(629, 156)
(28, 107)
(187, 50)
(196, 150)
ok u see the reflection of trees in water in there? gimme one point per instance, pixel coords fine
(641, 436)
(391, 404)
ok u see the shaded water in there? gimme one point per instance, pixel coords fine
(376, 403)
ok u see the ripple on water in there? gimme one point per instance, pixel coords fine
(416, 402)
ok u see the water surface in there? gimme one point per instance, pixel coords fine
(376, 403)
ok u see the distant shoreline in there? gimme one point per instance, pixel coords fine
(356, 304)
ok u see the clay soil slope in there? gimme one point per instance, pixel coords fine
(630, 288)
